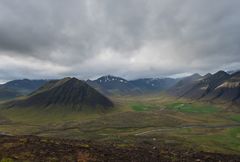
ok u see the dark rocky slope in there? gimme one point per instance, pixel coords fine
(68, 92)
(37, 149)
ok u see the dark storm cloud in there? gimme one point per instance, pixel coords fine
(131, 38)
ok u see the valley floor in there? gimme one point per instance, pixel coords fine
(152, 127)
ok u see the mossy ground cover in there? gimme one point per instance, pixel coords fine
(235, 117)
(226, 141)
(7, 160)
(40, 116)
(143, 107)
(33, 148)
(192, 107)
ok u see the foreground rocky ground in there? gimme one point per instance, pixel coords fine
(38, 149)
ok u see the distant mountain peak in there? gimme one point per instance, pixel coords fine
(110, 78)
(195, 75)
(207, 75)
(221, 72)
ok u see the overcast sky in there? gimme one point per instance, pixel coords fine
(127, 38)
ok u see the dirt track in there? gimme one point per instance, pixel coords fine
(188, 126)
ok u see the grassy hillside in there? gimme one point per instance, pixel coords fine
(155, 119)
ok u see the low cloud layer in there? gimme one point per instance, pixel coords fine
(129, 38)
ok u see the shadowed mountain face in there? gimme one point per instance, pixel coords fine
(111, 85)
(185, 85)
(68, 92)
(229, 90)
(18, 88)
(220, 87)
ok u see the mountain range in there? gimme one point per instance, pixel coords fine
(112, 85)
(219, 87)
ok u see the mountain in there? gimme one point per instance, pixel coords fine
(219, 87)
(67, 93)
(209, 84)
(18, 88)
(229, 90)
(111, 85)
(185, 85)
(206, 85)
(154, 84)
